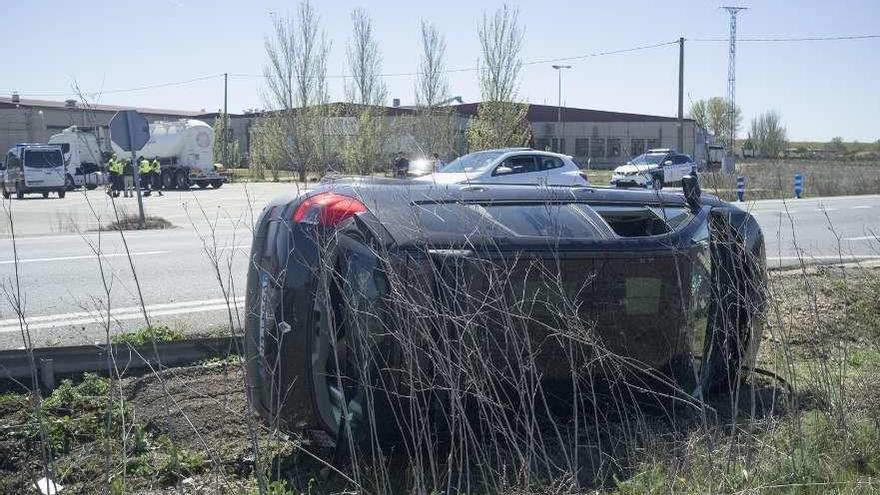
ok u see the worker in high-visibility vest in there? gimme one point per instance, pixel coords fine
(144, 172)
(115, 168)
(156, 174)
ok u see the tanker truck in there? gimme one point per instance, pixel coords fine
(83, 159)
(185, 149)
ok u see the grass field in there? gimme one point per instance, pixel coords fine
(764, 179)
(187, 431)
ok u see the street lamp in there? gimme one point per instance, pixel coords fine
(559, 123)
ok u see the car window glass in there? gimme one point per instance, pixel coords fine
(513, 220)
(680, 159)
(548, 162)
(43, 159)
(520, 164)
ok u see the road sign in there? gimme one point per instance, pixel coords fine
(129, 130)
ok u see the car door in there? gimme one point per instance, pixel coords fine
(681, 166)
(518, 169)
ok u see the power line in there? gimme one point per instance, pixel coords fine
(789, 40)
(464, 69)
(476, 69)
(125, 90)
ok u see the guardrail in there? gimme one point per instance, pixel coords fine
(15, 365)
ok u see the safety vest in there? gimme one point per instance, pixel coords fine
(156, 166)
(115, 166)
(144, 167)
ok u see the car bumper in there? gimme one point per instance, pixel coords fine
(629, 181)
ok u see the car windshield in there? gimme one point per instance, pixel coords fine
(43, 159)
(648, 159)
(472, 162)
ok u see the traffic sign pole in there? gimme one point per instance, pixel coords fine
(134, 171)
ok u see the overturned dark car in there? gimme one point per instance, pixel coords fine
(378, 307)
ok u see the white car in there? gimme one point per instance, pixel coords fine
(657, 167)
(510, 166)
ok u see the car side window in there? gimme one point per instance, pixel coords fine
(520, 164)
(548, 163)
(680, 159)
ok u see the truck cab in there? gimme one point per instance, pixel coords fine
(82, 158)
(33, 168)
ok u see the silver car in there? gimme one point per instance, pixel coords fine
(510, 166)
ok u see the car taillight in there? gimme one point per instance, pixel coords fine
(327, 209)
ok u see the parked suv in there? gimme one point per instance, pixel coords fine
(657, 167)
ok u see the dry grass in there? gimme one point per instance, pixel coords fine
(774, 179)
(132, 222)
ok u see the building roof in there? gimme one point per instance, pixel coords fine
(6, 102)
(549, 113)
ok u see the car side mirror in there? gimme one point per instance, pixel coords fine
(690, 185)
(503, 170)
(667, 162)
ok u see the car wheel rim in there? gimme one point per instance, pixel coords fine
(335, 385)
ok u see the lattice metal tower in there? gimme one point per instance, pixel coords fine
(731, 75)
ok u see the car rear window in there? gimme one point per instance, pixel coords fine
(506, 220)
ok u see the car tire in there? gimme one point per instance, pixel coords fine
(181, 180)
(61, 193)
(69, 183)
(203, 184)
(45, 195)
(91, 187)
(19, 194)
(216, 183)
(167, 179)
(5, 192)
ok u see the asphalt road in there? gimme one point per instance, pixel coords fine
(192, 277)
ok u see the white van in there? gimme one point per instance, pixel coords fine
(33, 168)
(82, 158)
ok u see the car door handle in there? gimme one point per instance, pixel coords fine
(474, 188)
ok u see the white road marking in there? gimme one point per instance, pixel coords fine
(860, 207)
(118, 314)
(863, 238)
(830, 257)
(83, 257)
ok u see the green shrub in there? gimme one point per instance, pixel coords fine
(147, 335)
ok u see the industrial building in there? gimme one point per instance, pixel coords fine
(24, 120)
(605, 139)
(594, 138)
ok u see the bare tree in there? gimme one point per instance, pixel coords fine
(768, 135)
(365, 125)
(365, 63)
(500, 120)
(500, 42)
(432, 86)
(296, 81)
(434, 128)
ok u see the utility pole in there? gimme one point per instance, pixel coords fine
(225, 119)
(560, 124)
(731, 84)
(681, 95)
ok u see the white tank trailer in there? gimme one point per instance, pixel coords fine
(185, 148)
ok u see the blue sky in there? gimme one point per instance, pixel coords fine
(822, 89)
